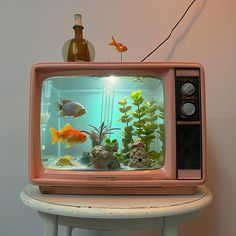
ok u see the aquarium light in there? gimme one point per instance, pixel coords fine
(110, 81)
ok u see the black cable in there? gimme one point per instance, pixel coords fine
(170, 32)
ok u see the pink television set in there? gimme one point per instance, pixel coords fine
(117, 128)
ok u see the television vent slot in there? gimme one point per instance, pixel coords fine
(187, 73)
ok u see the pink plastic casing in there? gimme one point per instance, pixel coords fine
(166, 176)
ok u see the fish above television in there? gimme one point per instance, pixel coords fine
(117, 128)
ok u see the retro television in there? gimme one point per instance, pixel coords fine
(117, 128)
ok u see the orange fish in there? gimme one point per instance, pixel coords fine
(67, 135)
(119, 46)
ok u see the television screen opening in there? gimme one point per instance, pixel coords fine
(96, 123)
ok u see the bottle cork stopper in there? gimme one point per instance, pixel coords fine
(78, 19)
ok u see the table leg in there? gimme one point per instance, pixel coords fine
(169, 228)
(69, 230)
(50, 224)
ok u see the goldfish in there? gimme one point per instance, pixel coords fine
(119, 46)
(70, 108)
(67, 135)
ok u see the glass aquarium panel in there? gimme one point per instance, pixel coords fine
(102, 123)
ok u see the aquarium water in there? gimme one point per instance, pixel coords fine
(102, 123)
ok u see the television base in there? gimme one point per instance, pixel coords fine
(163, 190)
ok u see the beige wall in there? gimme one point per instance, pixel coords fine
(33, 31)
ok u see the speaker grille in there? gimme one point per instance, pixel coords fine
(189, 146)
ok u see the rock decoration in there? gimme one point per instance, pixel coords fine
(138, 156)
(103, 159)
(66, 160)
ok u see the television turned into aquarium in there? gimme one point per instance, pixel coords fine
(117, 128)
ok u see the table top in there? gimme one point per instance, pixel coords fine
(115, 206)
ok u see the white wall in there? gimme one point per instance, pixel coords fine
(34, 31)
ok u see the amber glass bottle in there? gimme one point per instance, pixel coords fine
(78, 49)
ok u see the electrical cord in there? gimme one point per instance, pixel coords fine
(181, 18)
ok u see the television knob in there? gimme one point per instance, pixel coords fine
(187, 89)
(188, 109)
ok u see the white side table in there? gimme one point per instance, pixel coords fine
(113, 212)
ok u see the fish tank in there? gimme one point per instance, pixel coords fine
(106, 126)
(102, 122)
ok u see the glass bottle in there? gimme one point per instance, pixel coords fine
(78, 48)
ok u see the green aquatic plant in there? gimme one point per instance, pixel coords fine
(121, 158)
(141, 123)
(111, 145)
(157, 158)
(140, 120)
(137, 100)
(126, 118)
(161, 134)
(97, 135)
(146, 117)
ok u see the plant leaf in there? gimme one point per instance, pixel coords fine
(128, 129)
(130, 119)
(138, 101)
(148, 132)
(123, 101)
(152, 126)
(161, 109)
(135, 95)
(122, 109)
(152, 109)
(148, 138)
(150, 103)
(128, 108)
(137, 115)
(123, 119)
(153, 118)
(138, 124)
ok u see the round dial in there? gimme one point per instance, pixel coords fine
(188, 109)
(187, 89)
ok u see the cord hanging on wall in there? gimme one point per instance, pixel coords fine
(181, 18)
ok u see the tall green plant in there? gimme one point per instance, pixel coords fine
(146, 118)
(140, 121)
(126, 118)
(161, 131)
(139, 113)
(157, 158)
